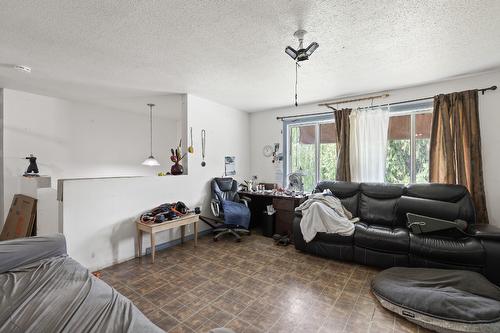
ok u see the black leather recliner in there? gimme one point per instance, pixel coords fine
(382, 239)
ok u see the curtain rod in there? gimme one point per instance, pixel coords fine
(482, 90)
(353, 100)
(328, 105)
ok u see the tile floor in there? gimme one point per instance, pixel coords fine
(252, 286)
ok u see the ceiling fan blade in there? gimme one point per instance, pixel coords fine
(311, 48)
(291, 52)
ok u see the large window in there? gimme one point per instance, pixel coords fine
(311, 150)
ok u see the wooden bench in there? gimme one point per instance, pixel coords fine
(153, 228)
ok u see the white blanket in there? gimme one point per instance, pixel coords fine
(325, 213)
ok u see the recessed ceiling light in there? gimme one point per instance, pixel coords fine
(22, 68)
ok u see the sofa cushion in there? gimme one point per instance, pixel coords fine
(377, 211)
(382, 190)
(432, 208)
(435, 191)
(382, 238)
(351, 204)
(334, 238)
(378, 203)
(54, 293)
(339, 188)
(347, 192)
(465, 251)
(443, 196)
(22, 251)
(441, 300)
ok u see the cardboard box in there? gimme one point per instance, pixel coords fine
(21, 221)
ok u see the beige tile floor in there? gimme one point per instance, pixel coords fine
(252, 286)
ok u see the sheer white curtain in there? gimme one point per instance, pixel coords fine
(368, 144)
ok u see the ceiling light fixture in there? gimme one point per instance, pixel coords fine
(151, 161)
(22, 68)
(301, 54)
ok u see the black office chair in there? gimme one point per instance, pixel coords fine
(235, 221)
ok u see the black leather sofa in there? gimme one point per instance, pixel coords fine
(382, 239)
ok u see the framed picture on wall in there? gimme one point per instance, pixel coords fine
(229, 165)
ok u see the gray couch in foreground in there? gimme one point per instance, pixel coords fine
(44, 290)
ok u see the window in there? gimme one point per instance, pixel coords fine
(408, 144)
(311, 149)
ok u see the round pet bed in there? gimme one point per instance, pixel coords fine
(439, 299)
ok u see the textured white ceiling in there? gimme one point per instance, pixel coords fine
(233, 51)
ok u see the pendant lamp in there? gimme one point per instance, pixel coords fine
(151, 161)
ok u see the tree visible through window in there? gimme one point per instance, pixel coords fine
(312, 147)
(303, 154)
(312, 150)
(408, 148)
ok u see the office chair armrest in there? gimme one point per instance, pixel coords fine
(215, 207)
(245, 200)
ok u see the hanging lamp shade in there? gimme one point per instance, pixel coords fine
(151, 161)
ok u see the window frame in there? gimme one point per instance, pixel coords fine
(403, 109)
(412, 110)
(304, 121)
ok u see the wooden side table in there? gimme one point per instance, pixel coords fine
(285, 213)
(153, 228)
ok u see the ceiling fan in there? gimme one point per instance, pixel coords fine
(302, 53)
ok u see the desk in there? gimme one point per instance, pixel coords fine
(153, 228)
(284, 206)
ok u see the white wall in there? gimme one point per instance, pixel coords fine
(100, 229)
(265, 129)
(74, 139)
(1, 155)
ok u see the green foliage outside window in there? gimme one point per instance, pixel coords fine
(399, 159)
(303, 158)
(397, 167)
(422, 160)
(398, 162)
(328, 161)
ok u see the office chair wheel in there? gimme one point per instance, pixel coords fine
(215, 239)
(238, 240)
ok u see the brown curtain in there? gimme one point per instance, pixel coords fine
(455, 147)
(343, 127)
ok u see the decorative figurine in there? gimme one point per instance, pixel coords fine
(176, 157)
(249, 185)
(32, 170)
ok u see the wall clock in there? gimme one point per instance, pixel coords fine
(268, 151)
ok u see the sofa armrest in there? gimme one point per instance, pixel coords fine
(22, 251)
(298, 238)
(485, 231)
(489, 236)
